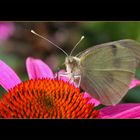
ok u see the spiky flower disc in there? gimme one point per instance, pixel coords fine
(46, 98)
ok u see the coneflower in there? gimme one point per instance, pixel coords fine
(42, 97)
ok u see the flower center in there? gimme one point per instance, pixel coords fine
(48, 102)
(46, 98)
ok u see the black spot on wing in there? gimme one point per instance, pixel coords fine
(117, 61)
(114, 49)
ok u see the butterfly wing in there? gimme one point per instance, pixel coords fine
(106, 71)
(133, 45)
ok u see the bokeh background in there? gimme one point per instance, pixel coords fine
(17, 43)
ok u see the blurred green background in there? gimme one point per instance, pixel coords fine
(17, 43)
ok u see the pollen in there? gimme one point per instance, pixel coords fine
(46, 98)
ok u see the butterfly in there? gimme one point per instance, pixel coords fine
(104, 71)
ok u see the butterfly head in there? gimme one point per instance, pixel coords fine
(71, 63)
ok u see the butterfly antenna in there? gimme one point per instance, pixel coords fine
(32, 31)
(76, 45)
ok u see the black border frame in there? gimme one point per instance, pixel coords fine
(63, 127)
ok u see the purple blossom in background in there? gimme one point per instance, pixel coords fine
(6, 30)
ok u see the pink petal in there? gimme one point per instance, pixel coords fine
(127, 110)
(38, 69)
(92, 100)
(134, 83)
(8, 78)
(66, 79)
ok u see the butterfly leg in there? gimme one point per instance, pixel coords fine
(71, 78)
(66, 74)
(79, 81)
